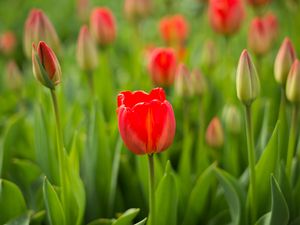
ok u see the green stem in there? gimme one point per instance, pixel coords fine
(251, 160)
(91, 82)
(292, 140)
(151, 189)
(60, 145)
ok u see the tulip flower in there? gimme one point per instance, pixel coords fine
(284, 60)
(162, 66)
(293, 95)
(226, 16)
(86, 50)
(103, 25)
(183, 84)
(247, 81)
(8, 42)
(209, 54)
(259, 36)
(146, 121)
(39, 28)
(46, 68)
(174, 30)
(272, 24)
(137, 9)
(258, 3)
(198, 82)
(232, 119)
(214, 133)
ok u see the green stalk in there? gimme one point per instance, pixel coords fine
(151, 190)
(292, 140)
(91, 82)
(60, 145)
(251, 160)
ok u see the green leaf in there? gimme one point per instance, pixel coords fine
(279, 211)
(142, 222)
(54, 208)
(102, 222)
(21, 220)
(266, 165)
(12, 203)
(198, 197)
(235, 196)
(127, 217)
(166, 197)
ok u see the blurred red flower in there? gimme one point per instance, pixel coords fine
(226, 16)
(8, 42)
(146, 121)
(103, 25)
(162, 66)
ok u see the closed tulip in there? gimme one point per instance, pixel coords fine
(284, 60)
(162, 66)
(13, 78)
(214, 133)
(86, 50)
(174, 29)
(39, 28)
(183, 84)
(226, 16)
(46, 68)
(8, 42)
(247, 81)
(293, 83)
(103, 25)
(146, 121)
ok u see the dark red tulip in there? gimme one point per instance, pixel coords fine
(162, 66)
(103, 25)
(226, 16)
(146, 121)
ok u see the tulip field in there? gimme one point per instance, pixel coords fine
(150, 112)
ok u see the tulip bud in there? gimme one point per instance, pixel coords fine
(183, 85)
(8, 42)
(39, 28)
(198, 83)
(259, 36)
(13, 76)
(214, 134)
(86, 50)
(46, 68)
(146, 121)
(258, 3)
(293, 83)
(272, 24)
(284, 60)
(137, 9)
(247, 81)
(162, 66)
(103, 26)
(226, 16)
(209, 54)
(174, 30)
(232, 119)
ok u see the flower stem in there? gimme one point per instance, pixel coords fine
(151, 189)
(91, 82)
(292, 140)
(251, 160)
(60, 145)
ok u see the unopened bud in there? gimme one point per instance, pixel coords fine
(214, 133)
(284, 60)
(232, 119)
(247, 81)
(183, 85)
(198, 82)
(293, 83)
(86, 50)
(13, 78)
(46, 68)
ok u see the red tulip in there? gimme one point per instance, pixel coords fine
(137, 9)
(162, 66)
(226, 16)
(8, 42)
(39, 28)
(46, 68)
(146, 121)
(262, 34)
(214, 133)
(174, 29)
(257, 3)
(103, 25)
